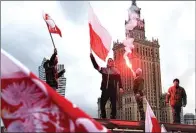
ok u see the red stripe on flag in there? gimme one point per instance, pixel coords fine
(52, 27)
(155, 126)
(55, 30)
(97, 45)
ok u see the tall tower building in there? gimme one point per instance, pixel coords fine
(145, 56)
(61, 80)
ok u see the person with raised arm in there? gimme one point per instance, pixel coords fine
(111, 80)
(51, 71)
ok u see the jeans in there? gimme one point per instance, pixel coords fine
(105, 96)
(140, 106)
(176, 110)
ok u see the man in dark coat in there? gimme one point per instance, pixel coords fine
(51, 71)
(138, 89)
(177, 97)
(110, 81)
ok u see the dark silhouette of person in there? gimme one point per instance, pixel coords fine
(51, 71)
(177, 97)
(110, 81)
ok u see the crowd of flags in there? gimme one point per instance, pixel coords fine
(29, 104)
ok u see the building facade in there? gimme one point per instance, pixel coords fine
(166, 110)
(190, 119)
(107, 108)
(61, 80)
(145, 56)
(182, 116)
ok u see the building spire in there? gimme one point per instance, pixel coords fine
(134, 2)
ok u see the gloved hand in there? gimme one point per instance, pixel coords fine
(55, 51)
(63, 70)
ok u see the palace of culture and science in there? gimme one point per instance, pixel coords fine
(146, 56)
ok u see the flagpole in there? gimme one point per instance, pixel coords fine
(52, 39)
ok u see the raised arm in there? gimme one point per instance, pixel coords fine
(61, 73)
(52, 58)
(95, 65)
(184, 97)
(45, 65)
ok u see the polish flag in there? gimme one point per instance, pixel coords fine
(30, 105)
(151, 122)
(52, 27)
(100, 39)
(163, 130)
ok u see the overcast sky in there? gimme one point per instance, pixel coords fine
(25, 36)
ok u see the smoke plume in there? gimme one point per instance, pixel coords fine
(133, 16)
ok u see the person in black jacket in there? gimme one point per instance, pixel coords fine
(51, 72)
(110, 81)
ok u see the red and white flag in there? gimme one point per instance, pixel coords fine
(29, 105)
(151, 122)
(100, 39)
(163, 130)
(52, 27)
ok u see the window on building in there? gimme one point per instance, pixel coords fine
(148, 52)
(143, 52)
(137, 50)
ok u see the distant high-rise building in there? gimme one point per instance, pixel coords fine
(41, 70)
(61, 80)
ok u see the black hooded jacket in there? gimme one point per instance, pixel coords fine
(110, 76)
(52, 74)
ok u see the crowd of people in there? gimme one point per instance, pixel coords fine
(111, 80)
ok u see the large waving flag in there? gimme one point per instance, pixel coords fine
(151, 122)
(52, 27)
(30, 105)
(100, 39)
